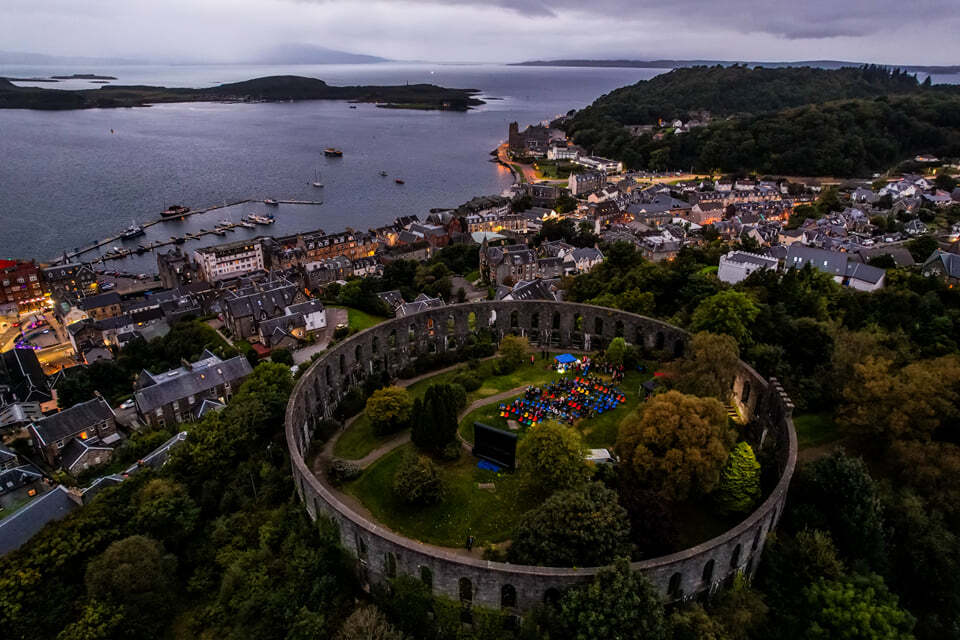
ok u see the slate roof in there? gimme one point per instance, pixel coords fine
(100, 300)
(27, 380)
(745, 257)
(420, 303)
(72, 421)
(188, 382)
(586, 253)
(306, 308)
(73, 451)
(206, 407)
(284, 323)
(531, 290)
(950, 261)
(393, 299)
(18, 528)
(18, 477)
(832, 262)
(864, 272)
(270, 302)
(6, 456)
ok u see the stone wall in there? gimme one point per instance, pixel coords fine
(391, 345)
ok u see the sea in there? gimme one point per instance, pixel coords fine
(71, 178)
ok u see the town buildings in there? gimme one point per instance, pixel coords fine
(21, 287)
(179, 395)
(69, 282)
(735, 266)
(77, 438)
(583, 183)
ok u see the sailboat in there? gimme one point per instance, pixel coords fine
(317, 182)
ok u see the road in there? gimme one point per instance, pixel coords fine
(527, 172)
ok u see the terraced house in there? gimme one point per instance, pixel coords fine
(77, 438)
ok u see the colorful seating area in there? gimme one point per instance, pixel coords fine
(566, 400)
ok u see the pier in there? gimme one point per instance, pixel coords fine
(220, 230)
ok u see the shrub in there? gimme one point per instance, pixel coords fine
(468, 381)
(739, 486)
(417, 481)
(341, 471)
(350, 405)
(282, 356)
(389, 409)
(435, 417)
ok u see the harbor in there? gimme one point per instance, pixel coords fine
(253, 214)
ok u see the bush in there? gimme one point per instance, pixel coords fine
(739, 486)
(452, 451)
(282, 356)
(514, 350)
(341, 471)
(389, 410)
(417, 481)
(350, 405)
(468, 381)
(340, 333)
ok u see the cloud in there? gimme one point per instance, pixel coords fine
(492, 30)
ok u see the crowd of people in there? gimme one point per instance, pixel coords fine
(585, 365)
(565, 400)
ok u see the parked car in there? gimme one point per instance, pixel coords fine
(127, 404)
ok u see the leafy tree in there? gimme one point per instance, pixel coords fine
(857, 607)
(708, 366)
(576, 527)
(617, 604)
(166, 511)
(417, 481)
(692, 622)
(616, 351)
(367, 623)
(675, 445)
(136, 575)
(837, 494)
(389, 409)
(282, 356)
(739, 486)
(97, 621)
(730, 312)
(551, 458)
(408, 604)
(435, 417)
(514, 351)
(945, 181)
(921, 248)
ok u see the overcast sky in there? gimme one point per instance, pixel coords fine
(886, 31)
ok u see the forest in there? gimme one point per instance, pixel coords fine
(796, 121)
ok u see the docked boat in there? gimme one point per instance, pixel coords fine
(247, 224)
(399, 181)
(133, 231)
(174, 211)
(271, 202)
(261, 219)
(332, 152)
(219, 232)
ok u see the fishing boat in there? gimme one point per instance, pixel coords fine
(399, 181)
(174, 211)
(133, 231)
(332, 152)
(271, 202)
(317, 182)
(383, 173)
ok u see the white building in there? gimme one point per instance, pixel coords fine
(224, 261)
(737, 265)
(595, 163)
(314, 314)
(562, 153)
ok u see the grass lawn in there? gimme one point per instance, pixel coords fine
(359, 439)
(16, 506)
(359, 320)
(815, 429)
(490, 516)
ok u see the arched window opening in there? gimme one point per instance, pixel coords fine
(426, 577)
(756, 539)
(472, 321)
(678, 348)
(466, 590)
(578, 322)
(535, 321)
(745, 394)
(451, 325)
(551, 597)
(735, 557)
(708, 572)
(673, 589)
(514, 320)
(598, 326)
(508, 597)
(618, 328)
(390, 565)
(343, 364)
(661, 340)
(556, 321)
(375, 345)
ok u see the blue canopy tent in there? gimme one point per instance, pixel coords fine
(565, 358)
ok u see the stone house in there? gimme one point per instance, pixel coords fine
(77, 438)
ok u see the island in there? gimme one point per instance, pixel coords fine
(83, 76)
(268, 89)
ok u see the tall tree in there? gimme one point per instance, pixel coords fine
(583, 527)
(551, 458)
(675, 445)
(708, 366)
(857, 607)
(730, 312)
(617, 604)
(435, 417)
(739, 486)
(389, 409)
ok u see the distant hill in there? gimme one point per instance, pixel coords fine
(38, 59)
(792, 121)
(310, 54)
(676, 64)
(269, 89)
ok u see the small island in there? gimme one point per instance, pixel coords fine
(268, 89)
(84, 76)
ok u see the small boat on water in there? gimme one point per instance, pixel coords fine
(317, 183)
(133, 231)
(271, 202)
(174, 211)
(219, 232)
(332, 152)
(399, 181)
(247, 224)
(383, 173)
(353, 106)
(261, 219)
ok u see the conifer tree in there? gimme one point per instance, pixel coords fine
(739, 486)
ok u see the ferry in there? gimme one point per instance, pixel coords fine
(271, 202)
(174, 211)
(332, 152)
